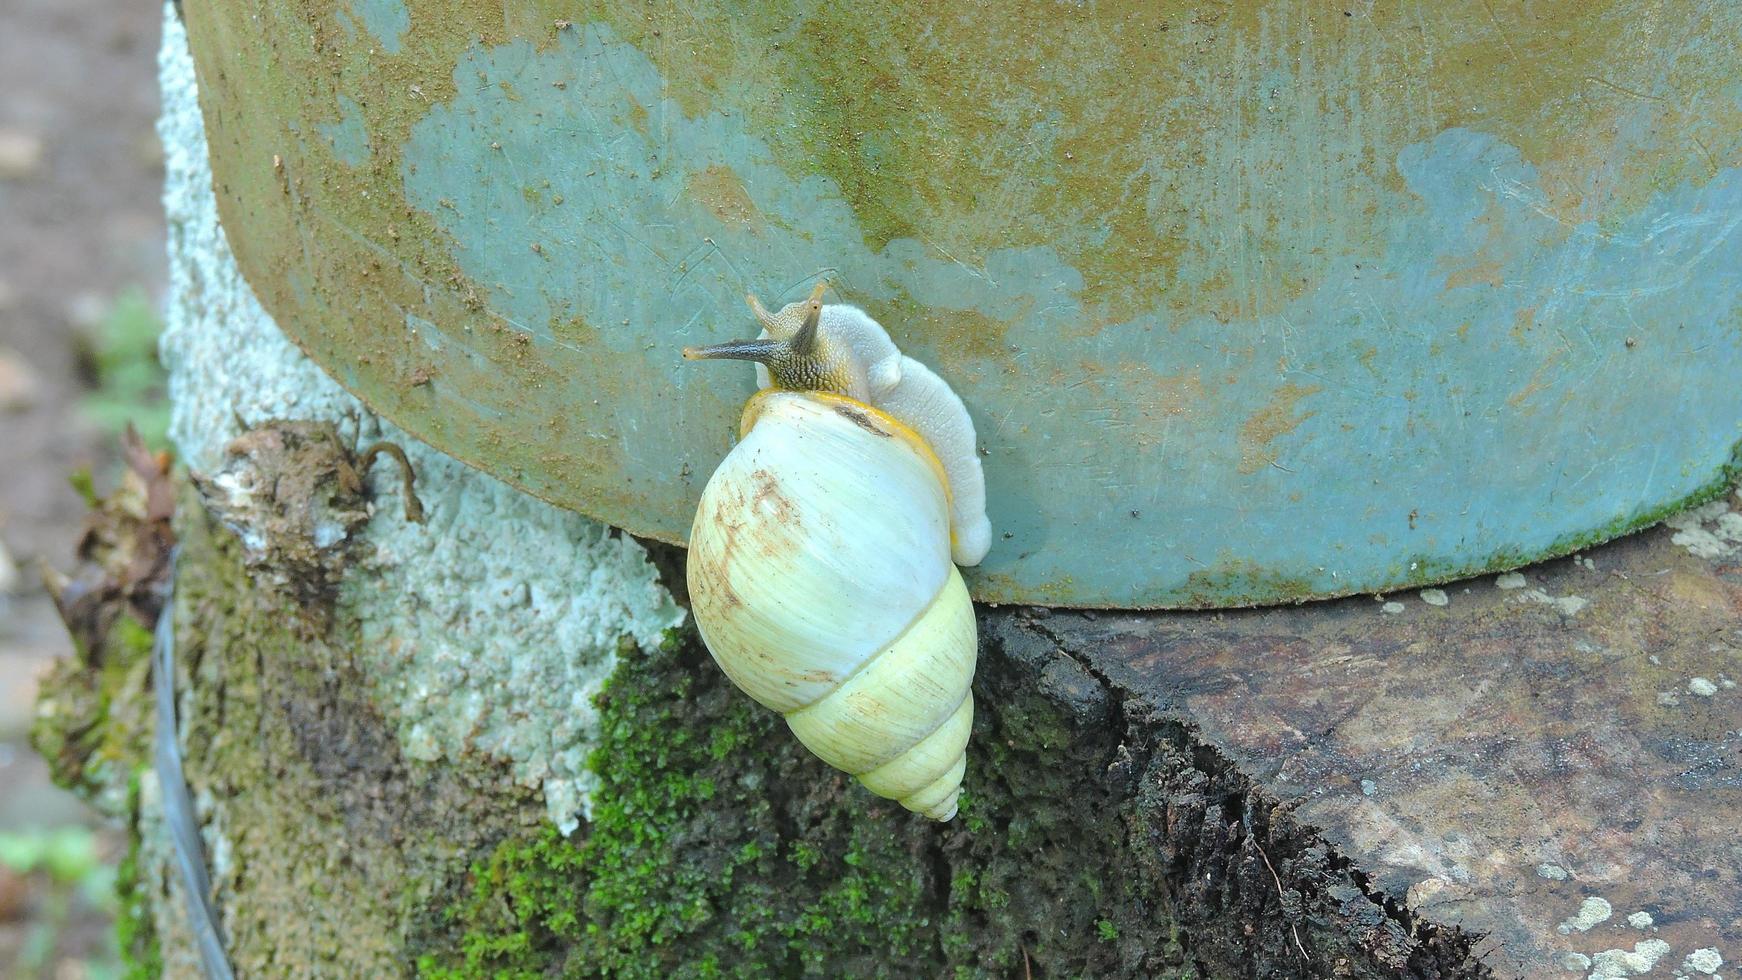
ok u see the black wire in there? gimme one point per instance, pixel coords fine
(178, 804)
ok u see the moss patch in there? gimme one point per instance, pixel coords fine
(696, 859)
(332, 848)
(135, 931)
(719, 847)
(94, 717)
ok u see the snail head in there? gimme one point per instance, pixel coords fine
(798, 356)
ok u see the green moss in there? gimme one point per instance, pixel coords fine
(85, 485)
(685, 854)
(94, 717)
(338, 851)
(757, 860)
(135, 931)
(1244, 583)
(1726, 478)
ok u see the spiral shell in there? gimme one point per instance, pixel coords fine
(821, 580)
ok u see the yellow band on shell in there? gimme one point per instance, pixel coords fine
(757, 405)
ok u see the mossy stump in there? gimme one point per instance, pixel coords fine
(1294, 792)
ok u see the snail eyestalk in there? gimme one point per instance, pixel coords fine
(802, 361)
(760, 351)
(804, 343)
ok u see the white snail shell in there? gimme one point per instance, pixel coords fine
(821, 578)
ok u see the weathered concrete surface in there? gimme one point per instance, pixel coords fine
(1534, 761)
(454, 603)
(1268, 299)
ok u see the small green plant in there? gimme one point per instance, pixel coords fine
(128, 382)
(71, 871)
(1108, 930)
(67, 854)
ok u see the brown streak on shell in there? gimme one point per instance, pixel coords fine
(862, 419)
(771, 499)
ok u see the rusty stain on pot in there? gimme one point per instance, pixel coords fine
(1277, 418)
(1264, 277)
(719, 190)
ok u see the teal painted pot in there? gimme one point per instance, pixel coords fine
(1249, 306)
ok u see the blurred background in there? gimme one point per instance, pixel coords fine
(81, 276)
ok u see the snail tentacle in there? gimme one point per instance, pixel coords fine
(761, 351)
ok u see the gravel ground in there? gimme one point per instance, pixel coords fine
(80, 223)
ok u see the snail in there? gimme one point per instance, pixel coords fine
(823, 558)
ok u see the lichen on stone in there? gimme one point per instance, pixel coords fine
(1712, 530)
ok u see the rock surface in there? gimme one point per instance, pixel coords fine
(1535, 766)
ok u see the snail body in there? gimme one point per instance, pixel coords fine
(822, 564)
